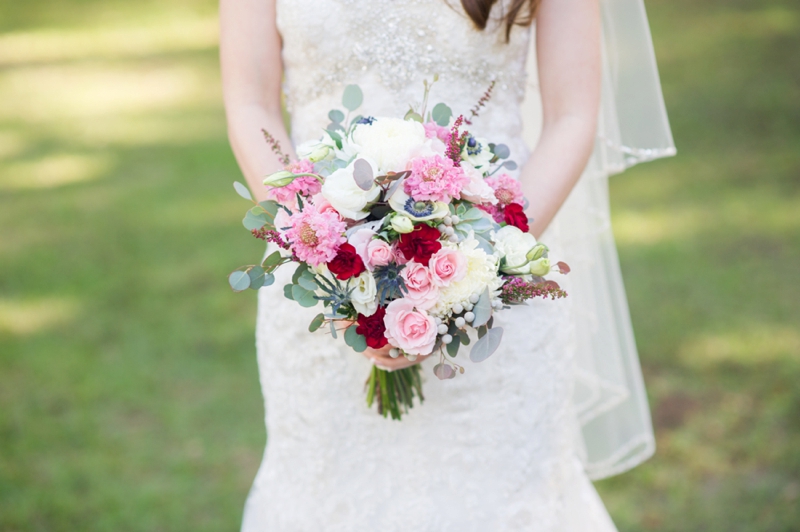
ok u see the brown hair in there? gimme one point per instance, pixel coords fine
(520, 13)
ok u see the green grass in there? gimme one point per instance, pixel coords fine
(129, 398)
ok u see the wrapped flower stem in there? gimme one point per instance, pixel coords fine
(394, 391)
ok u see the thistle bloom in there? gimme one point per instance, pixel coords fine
(315, 236)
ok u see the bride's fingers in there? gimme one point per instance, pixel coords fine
(388, 363)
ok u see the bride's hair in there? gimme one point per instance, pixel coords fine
(520, 13)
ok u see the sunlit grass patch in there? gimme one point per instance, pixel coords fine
(24, 317)
(53, 171)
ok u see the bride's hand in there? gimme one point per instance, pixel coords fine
(380, 357)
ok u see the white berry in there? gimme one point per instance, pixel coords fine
(447, 220)
(457, 308)
(453, 238)
(394, 352)
(442, 329)
(446, 339)
(455, 219)
(469, 317)
(411, 358)
(460, 322)
(449, 231)
(474, 298)
(469, 306)
(441, 228)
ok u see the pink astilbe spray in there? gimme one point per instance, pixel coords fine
(518, 290)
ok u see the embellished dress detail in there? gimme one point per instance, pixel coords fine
(489, 451)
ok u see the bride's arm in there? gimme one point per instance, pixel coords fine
(250, 57)
(568, 54)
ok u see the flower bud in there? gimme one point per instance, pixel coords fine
(279, 179)
(540, 267)
(536, 252)
(402, 224)
(319, 153)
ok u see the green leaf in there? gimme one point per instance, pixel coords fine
(336, 116)
(352, 97)
(316, 323)
(444, 371)
(272, 260)
(452, 347)
(269, 279)
(306, 298)
(239, 281)
(256, 275)
(441, 114)
(270, 207)
(301, 268)
(482, 309)
(242, 190)
(487, 345)
(357, 341)
(337, 138)
(255, 220)
(511, 165)
(287, 291)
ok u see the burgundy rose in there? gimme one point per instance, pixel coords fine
(420, 243)
(347, 263)
(372, 328)
(513, 215)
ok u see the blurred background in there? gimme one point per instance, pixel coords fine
(129, 398)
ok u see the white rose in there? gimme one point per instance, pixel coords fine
(390, 142)
(477, 190)
(513, 245)
(364, 295)
(477, 155)
(344, 195)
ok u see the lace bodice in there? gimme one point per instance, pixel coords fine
(388, 47)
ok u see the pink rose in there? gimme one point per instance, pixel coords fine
(322, 204)
(360, 240)
(378, 253)
(409, 329)
(421, 289)
(447, 266)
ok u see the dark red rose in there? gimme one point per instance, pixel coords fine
(513, 215)
(347, 263)
(372, 328)
(420, 243)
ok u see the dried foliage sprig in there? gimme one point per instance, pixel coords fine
(473, 113)
(276, 147)
(518, 290)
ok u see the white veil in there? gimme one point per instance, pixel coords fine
(610, 402)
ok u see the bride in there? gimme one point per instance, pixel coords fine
(511, 445)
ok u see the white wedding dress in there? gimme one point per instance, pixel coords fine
(493, 450)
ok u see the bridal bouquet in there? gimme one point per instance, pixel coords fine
(409, 234)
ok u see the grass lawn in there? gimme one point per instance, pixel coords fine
(129, 398)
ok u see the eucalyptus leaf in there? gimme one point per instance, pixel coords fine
(316, 323)
(482, 331)
(287, 291)
(393, 188)
(444, 371)
(270, 208)
(441, 114)
(336, 116)
(268, 279)
(272, 260)
(482, 309)
(334, 334)
(362, 173)
(501, 151)
(301, 268)
(256, 275)
(337, 138)
(411, 115)
(357, 341)
(333, 126)
(242, 190)
(486, 346)
(255, 220)
(239, 281)
(352, 97)
(307, 282)
(305, 298)
(511, 165)
(472, 214)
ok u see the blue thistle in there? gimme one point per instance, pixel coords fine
(389, 283)
(368, 120)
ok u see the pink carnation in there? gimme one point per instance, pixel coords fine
(435, 131)
(315, 236)
(409, 329)
(305, 186)
(507, 190)
(434, 178)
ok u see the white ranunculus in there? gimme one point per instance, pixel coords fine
(477, 190)
(428, 210)
(344, 195)
(513, 244)
(390, 142)
(478, 155)
(364, 295)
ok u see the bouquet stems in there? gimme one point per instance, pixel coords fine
(394, 391)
